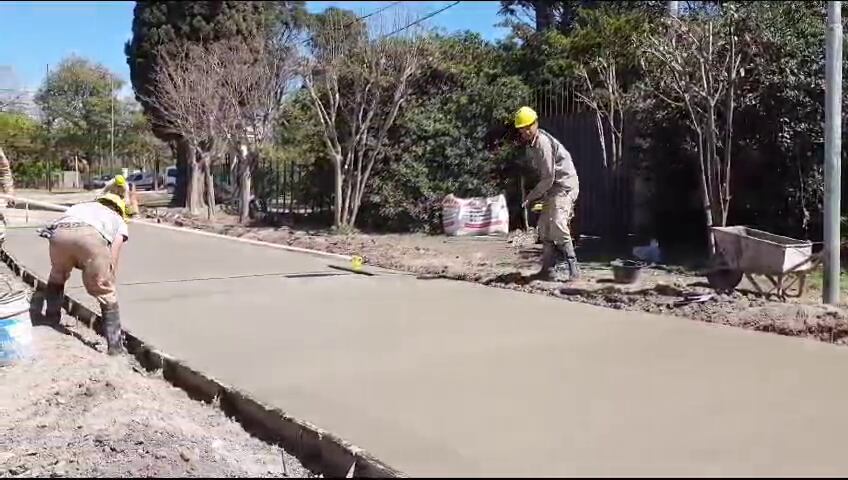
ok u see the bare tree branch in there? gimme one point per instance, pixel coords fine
(357, 81)
(698, 66)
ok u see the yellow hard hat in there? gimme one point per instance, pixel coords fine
(116, 201)
(120, 181)
(525, 117)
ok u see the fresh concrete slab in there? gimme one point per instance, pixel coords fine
(444, 378)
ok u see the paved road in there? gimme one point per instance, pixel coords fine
(444, 378)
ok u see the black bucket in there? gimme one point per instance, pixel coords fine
(626, 271)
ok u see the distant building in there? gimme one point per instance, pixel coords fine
(14, 96)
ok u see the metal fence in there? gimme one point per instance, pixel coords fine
(605, 204)
(605, 207)
(283, 187)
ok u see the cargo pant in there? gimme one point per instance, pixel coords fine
(557, 212)
(81, 246)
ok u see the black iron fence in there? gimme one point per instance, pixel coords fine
(283, 187)
(605, 205)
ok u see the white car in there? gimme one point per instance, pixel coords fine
(142, 181)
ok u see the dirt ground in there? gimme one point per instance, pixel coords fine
(73, 411)
(510, 263)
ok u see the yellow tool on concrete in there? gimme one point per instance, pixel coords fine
(356, 263)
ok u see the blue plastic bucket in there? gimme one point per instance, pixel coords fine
(15, 329)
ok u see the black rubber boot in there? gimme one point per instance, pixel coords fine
(54, 297)
(111, 321)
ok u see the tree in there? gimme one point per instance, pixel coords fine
(135, 142)
(601, 56)
(76, 100)
(192, 104)
(258, 75)
(438, 144)
(358, 81)
(563, 15)
(696, 64)
(161, 29)
(18, 136)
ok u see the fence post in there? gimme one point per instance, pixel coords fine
(291, 189)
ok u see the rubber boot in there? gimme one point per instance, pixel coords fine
(566, 269)
(571, 260)
(111, 320)
(561, 271)
(54, 297)
(549, 259)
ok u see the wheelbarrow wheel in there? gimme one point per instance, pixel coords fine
(724, 280)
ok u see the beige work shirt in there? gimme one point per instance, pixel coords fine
(553, 162)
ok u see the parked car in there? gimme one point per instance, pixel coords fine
(143, 180)
(96, 183)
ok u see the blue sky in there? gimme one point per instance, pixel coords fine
(35, 34)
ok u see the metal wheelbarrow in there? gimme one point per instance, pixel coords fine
(742, 251)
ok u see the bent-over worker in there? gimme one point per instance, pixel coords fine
(89, 237)
(558, 187)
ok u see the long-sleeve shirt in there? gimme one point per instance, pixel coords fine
(554, 164)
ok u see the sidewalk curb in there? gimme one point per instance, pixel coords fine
(260, 243)
(61, 208)
(317, 449)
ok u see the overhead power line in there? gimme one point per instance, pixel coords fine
(425, 17)
(358, 19)
(375, 12)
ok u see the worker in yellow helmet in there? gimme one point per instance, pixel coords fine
(89, 236)
(120, 187)
(558, 187)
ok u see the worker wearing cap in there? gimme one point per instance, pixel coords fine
(89, 236)
(120, 187)
(558, 187)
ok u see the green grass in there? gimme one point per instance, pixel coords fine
(815, 281)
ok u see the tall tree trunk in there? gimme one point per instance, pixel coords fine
(354, 212)
(544, 16)
(728, 145)
(244, 184)
(194, 190)
(210, 186)
(347, 189)
(715, 167)
(183, 153)
(337, 203)
(705, 197)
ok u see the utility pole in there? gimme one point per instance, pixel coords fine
(673, 8)
(49, 128)
(112, 122)
(832, 152)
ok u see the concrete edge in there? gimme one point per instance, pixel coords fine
(61, 208)
(317, 449)
(317, 253)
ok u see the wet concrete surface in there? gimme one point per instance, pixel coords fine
(444, 378)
